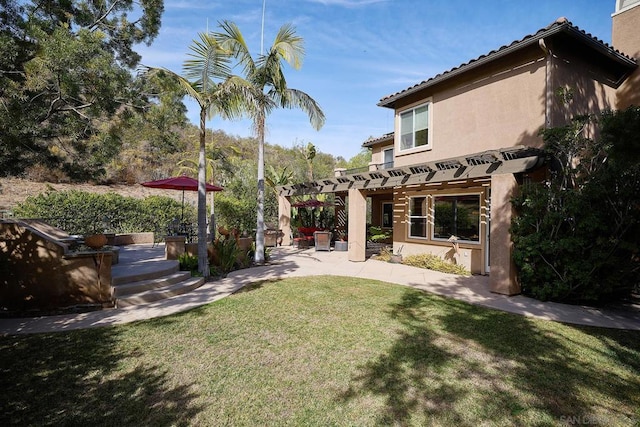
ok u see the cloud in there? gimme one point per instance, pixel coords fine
(188, 4)
(347, 3)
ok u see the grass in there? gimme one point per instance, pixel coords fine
(324, 351)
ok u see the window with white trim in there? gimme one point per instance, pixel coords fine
(418, 217)
(457, 215)
(623, 4)
(414, 127)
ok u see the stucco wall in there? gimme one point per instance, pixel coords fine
(625, 37)
(471, 254)
(377, 153)
(376, 207)
(41, 274)
(589, 88)
(468, 257)
(501, 107)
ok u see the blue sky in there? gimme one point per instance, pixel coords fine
(358, 51)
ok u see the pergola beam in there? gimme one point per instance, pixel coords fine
(511, 160)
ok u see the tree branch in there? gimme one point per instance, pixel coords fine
(104, 16)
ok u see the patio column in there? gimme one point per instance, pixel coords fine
(357, 225)
(284, 219)
(502, 278)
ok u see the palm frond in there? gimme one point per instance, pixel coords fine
(209, 61)
(232, 40)
(294, 98)
(189, 88)
(238, 97)
(289, 46)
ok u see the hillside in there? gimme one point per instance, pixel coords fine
(16, 190)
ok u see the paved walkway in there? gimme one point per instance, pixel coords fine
(289, 262)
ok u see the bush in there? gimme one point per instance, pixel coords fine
(378, 235)
(79, 212)
(226, 253)
(576, 236)
(188, 262)
(434, 262)
(234, 212)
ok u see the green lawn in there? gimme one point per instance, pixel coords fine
(323, 351)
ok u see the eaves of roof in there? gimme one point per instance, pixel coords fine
(561, 25)
(373, 141)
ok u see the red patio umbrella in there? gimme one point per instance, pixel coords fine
(181, 182)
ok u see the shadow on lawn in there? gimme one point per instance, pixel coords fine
(464, 364)
(86, 378)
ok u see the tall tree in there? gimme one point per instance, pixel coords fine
(64, 74)
(207, 80)
(270, 91)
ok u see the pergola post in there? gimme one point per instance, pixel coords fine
(502, 278)
(284, 219)
(357, 225)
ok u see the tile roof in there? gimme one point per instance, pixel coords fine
(561, 25)
(373, 141)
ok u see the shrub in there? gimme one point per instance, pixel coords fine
(434, 262)
(234, 212)
(576, 236)
(384, 255)
(79, 212)
(378, 235)
(226, 254)
(188, 262)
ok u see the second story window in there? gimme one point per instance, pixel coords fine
(388, 158)
(414, 127)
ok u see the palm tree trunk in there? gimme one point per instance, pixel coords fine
(203, 259)
(259, 255)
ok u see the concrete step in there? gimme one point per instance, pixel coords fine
(156, 294)
(134, 287)
(138, 271)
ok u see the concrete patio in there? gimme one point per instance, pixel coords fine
(290, 262)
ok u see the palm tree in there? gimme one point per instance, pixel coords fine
(208, 80)
(270, 91)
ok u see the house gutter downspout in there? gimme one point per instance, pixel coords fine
(548, 96)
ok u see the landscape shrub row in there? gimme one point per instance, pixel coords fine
(79, 212)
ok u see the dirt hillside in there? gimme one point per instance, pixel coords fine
(15, 190)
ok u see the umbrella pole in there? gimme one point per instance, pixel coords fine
(182, 214)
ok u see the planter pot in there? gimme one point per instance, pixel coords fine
(341, 245)
(95, 241)
(396, 259)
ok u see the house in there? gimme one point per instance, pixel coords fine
(466, 139)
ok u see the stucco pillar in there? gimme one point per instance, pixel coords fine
(284, 219)
(502, 278)
(174, 246)
(357, 225)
